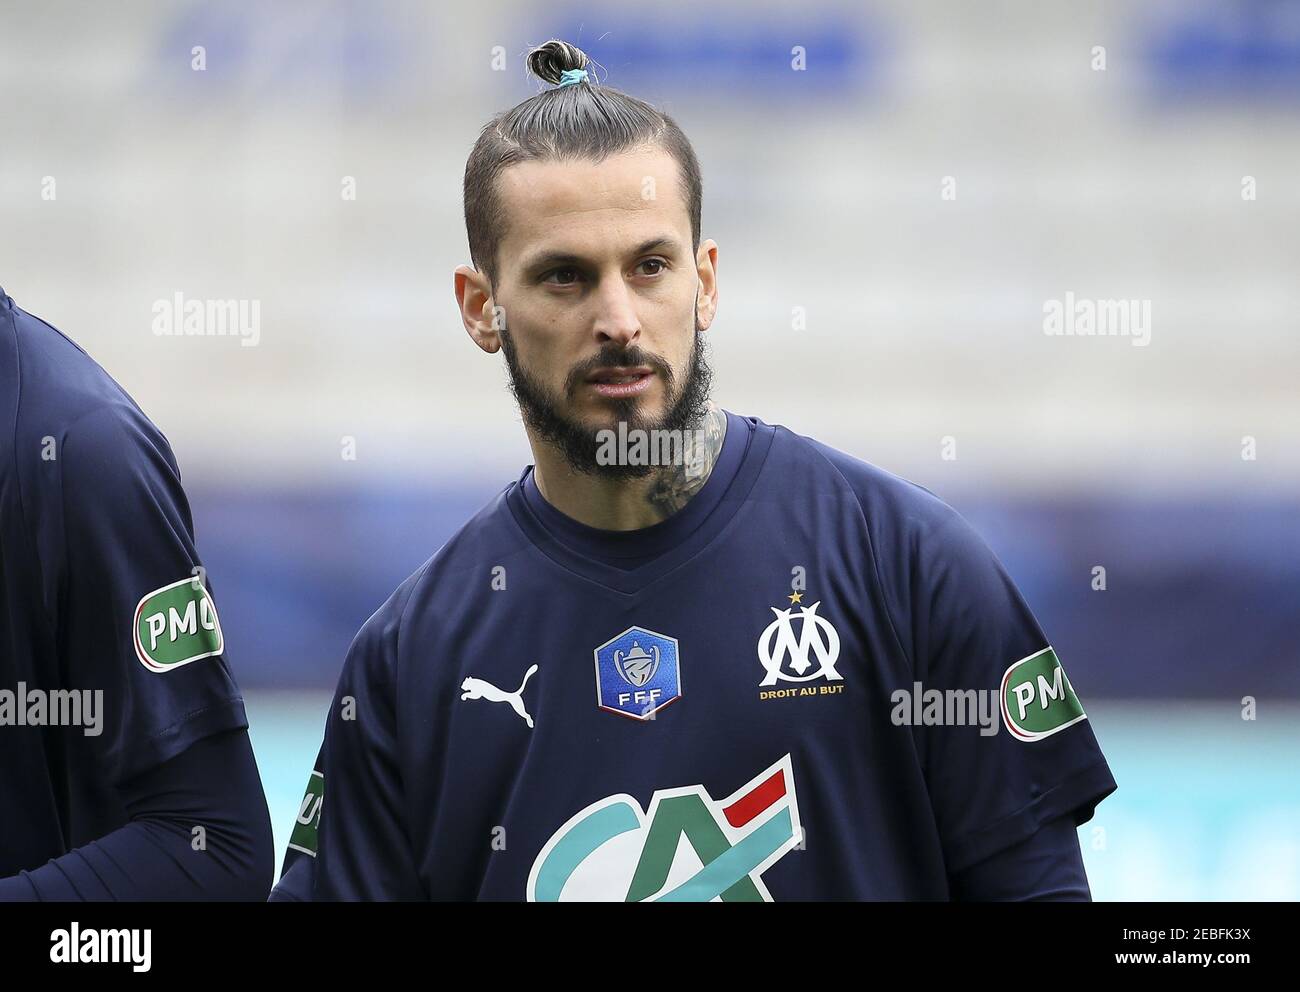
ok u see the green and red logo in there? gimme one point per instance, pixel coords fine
(175, 625)
(615, 851)
(1037, 698)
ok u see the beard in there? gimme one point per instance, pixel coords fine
(545, 413)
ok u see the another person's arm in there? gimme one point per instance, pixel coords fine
(136, 621)
(198, 830)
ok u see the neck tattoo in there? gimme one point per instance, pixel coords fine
(674, 486)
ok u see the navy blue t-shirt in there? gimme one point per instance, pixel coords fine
(775, 693)
(110, 646)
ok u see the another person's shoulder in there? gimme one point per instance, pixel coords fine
(64, 397)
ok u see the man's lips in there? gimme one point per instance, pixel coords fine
(622, 381)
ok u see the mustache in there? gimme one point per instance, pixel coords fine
(614, 356)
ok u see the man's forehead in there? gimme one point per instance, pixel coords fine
(544, 201)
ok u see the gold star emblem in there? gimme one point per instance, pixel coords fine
(795, 597)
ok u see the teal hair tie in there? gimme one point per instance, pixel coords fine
(572, 76)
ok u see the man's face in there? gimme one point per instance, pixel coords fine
(598, 287)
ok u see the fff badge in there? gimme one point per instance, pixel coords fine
(638, 673)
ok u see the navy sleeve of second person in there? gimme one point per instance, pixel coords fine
(198, 830)
(139, 619)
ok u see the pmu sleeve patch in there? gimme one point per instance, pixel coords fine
(307, 824)
(1037, 699)
(135, 606)
(175, 625)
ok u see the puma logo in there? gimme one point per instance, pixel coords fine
(480, 689)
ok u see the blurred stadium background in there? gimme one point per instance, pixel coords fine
(921, 319)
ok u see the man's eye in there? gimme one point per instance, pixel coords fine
(560, 272)
(655, 261)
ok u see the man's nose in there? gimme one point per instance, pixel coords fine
(617, 320)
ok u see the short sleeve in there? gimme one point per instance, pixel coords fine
(1032, 756)
(363, 846)
(137, 618)
(1048, 867)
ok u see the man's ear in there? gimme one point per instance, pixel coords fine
(706, 267)
(479, 313)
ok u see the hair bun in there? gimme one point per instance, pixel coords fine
(551, 60)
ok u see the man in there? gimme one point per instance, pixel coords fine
(691, 680)
(126, 771)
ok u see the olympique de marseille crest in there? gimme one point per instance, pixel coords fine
(809, 653)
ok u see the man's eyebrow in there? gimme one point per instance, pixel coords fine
(547, 258)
